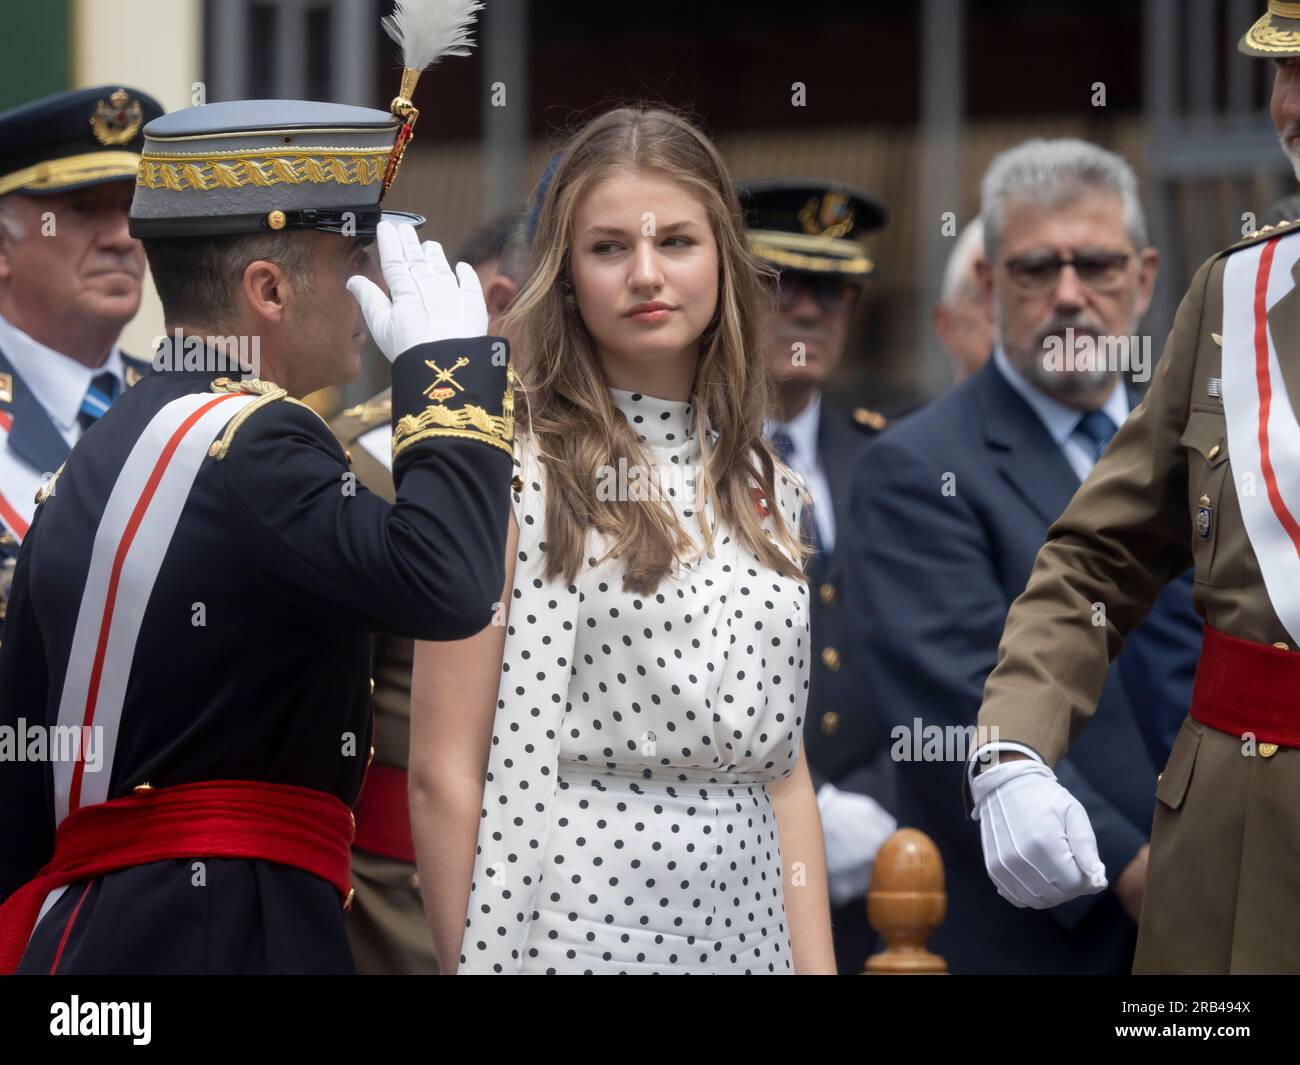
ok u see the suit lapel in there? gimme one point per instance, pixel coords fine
(1284, 326)
(1023, 451)
(838, 448)
(34, 437)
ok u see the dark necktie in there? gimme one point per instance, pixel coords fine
(99, 397)
(1097, 427)
(784, 448)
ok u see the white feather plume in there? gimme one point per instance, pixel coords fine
(427, 30)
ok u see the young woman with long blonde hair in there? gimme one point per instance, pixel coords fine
(609, 780)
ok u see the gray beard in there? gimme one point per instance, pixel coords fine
(1068, 385)
(1292, 155)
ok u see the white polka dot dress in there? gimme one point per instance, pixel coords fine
(627, 825)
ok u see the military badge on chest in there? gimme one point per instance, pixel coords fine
(1204, 518)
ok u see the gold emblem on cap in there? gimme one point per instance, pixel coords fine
(275, 219)
(832, 217)
(116, 120)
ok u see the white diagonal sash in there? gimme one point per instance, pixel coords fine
(130, 543)
(1263, 436)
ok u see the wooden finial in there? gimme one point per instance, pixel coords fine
(906, 903)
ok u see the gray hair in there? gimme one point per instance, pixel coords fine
(9, 219)
(1055, 173)
(956, 275)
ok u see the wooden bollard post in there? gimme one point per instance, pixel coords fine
(905, 904)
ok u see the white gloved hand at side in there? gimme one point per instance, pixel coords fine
(428, 301)
(1039, 847)
(854, 827)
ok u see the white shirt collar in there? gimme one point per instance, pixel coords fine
(802, 430)
(1059, 420)
(58, 381)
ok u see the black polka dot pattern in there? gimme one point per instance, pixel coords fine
(627, 826)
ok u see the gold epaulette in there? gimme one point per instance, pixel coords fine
(1264, 231)
(372, 411)
(266, 392)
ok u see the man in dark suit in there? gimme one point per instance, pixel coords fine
(949, 510)
(814, 232)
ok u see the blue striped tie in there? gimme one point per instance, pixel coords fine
(99, 397)
(783, 445)
(1097, 427)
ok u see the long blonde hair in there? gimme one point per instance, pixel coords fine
(577, 426)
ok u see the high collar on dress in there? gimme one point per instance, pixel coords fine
(662, 423)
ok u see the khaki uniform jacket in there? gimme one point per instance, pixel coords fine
(387, 927)
(1224, 874)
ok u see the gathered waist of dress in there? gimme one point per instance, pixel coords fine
(659, 778)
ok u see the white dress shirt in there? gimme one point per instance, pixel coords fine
(57, 381)
(1060, 421)
(804, 460)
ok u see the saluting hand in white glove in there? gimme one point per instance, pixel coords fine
(428, 301)
(1039, 846)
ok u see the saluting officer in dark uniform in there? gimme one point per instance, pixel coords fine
(200, 581)
(815, 233)
(70, 279)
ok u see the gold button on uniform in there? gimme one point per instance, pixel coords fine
(372, 685)
(830, 723)
(1213, 451)
(1281, 646)
(1267, 750)
(827, 592)
(831, 658)
(415, 881)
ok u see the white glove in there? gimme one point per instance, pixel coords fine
(854, 827)
(1039, 846)
(428, 303)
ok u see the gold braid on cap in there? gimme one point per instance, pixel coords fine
(1268, 37)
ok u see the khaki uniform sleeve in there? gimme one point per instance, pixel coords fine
(1125, 534)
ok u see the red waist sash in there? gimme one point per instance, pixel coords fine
(1242, 686)
(295, 826)
(384, 815)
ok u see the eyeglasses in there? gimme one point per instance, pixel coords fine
(1039, 273)
(829, 292)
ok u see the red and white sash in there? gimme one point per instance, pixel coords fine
(130, 544)
(18, 484)
(1263, 436)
